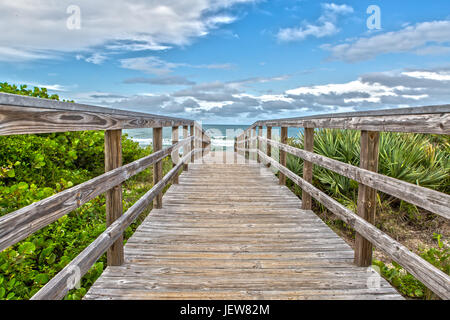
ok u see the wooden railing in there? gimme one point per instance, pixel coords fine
(427, 120)
(25, 115)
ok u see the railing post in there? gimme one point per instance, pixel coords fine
(157, 167)
(174, 141)
(235, 150)
(192, 133)
(185, 147)
(113, 160)
(246, 143)
(258, 144)
(204, 144)
(367, 197)
(254, 158)
(308, 145)
(283, 139)
(269, 146)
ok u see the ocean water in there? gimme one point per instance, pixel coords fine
(222, 136)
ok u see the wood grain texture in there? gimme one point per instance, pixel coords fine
(434, 201)
(157, 167)
(367, 196)
(258, 144)
(229, 231)
(175, 137)
(187, 147)
(308, 145)
(192, 133)
(433, 278)
(113, 197)
(283, 139)
(268, 145)
(435, 123)
(25, 120)
(18, 225)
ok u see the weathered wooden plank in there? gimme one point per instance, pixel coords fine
(66, 279)
(21, 223)
(175, 138)
(113, 160)
(433, 278)
(185, 148)
(23, 120)
(192, 133)
(268, 145)
(434, 123)
(367, 196)
(283, 139)
(157, 167)
(308, 145)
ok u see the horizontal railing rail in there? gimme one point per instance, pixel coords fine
(425, 120)
(27, 115)
(431, 200)
(431, 119)
(18, 225)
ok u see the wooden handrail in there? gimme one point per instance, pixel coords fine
(67, 278)
(433, 278)
(430, 119)
(431, 200)
(28, 115)
(18, 225)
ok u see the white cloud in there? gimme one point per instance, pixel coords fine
(325, 25)
(440, 76)
(116, 24)
(155, 65)
(12, 54)
(405, 40)
(96, 58)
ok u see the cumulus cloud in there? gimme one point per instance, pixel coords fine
(38, 29)
(421, 38)
(324, 26)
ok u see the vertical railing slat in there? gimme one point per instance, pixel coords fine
(269, 146)
(258, 143)
(192, 133)
(175, 138)
(185, 147)
(283, 139)
(367, 197)
(114, 208)
(157, 167)
(308, 145)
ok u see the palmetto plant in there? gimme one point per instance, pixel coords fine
(420, 159)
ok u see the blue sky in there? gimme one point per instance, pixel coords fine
(230, 61)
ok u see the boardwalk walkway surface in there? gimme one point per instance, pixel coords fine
(230, 231)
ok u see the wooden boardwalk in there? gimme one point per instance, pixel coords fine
(230, 231)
